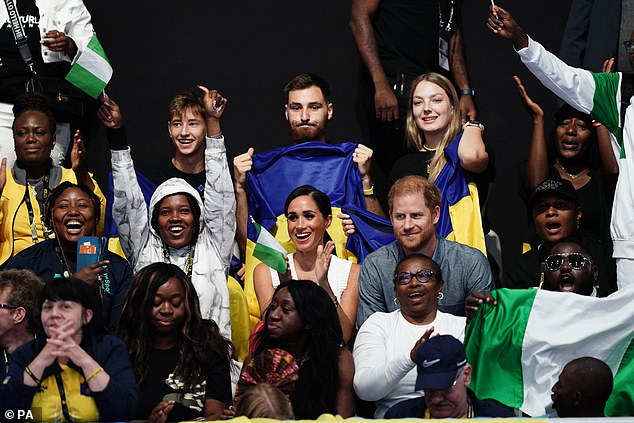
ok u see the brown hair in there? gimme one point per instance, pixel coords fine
(181, 103)
(26, 287)
(415, 137)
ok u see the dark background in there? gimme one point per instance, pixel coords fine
(248, 50)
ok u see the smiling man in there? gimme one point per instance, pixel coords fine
(414, 204)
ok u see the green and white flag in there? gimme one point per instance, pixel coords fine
(268, 250)
(91, 69)
(519, 347)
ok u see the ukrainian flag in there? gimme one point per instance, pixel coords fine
(460, 218)
(275, 173)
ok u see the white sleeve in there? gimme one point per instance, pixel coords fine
(220, 200)
(129, 210)
(376, 374)
(573, 85)
(70, 17)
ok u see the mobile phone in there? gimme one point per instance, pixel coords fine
(88, 251)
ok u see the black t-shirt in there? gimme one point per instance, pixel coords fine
(406, 33)
(159, 385)
(416, 163)
(163, 171)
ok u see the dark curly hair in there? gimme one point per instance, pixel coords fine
(315, 391)
(59, 190)
(33, 102)
(199, 341)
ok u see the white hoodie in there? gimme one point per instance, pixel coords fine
(143, 246)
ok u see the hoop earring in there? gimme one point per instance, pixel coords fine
(441, 295)
(396, 301)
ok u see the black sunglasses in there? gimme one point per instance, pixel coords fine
(576, 260)
(423, 276)
(8, 306)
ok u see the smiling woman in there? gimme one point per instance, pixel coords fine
(178, 227)
(26, 186)
(386, 345)
(308, 214)
(73, 211)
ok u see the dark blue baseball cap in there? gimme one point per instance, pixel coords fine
(437, 362)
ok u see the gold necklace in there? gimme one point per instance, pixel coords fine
(573, 177)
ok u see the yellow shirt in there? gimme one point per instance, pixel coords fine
(47, 402)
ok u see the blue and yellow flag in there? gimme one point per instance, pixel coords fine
(460, 218)
(275, 173)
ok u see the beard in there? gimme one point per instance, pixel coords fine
(304, 133)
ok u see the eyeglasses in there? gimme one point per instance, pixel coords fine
(423, 276)
(629, 46)
(576, 260)
(8, 306)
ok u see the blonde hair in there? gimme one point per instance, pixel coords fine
(416, 138)
(264, 400)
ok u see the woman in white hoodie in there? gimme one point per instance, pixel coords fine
(178, 227)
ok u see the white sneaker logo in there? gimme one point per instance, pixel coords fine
(430, 363)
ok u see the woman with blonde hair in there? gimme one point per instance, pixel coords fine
(264, 400)
(447, 153)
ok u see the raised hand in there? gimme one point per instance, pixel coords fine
(215, 103)
(386, 105)
(241, 165)
(322, 263)
(109, 113)
(420, 342)
(533, 108)
(501, 22)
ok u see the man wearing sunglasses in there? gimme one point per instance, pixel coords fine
(19, 314)
(444, 374)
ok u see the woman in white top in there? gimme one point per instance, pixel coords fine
(386, 345)
(308, 213)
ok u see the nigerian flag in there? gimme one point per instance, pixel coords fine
(91, 70)
(268, 250)
(519, 347)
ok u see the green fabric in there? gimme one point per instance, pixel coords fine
(621, 402)
(604, 107)
(493, 342)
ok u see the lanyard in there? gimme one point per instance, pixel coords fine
(19, 34)
(29, 208)
(62, 394)
(189, 264)
(447, 26)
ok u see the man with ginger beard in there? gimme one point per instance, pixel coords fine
(414, 204)
(308, 110)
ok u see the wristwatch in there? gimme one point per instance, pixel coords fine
(474, 123)
(467, 91)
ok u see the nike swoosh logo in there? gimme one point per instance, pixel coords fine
(430, 363)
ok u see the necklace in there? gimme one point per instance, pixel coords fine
(189, 264)
(573, 177)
